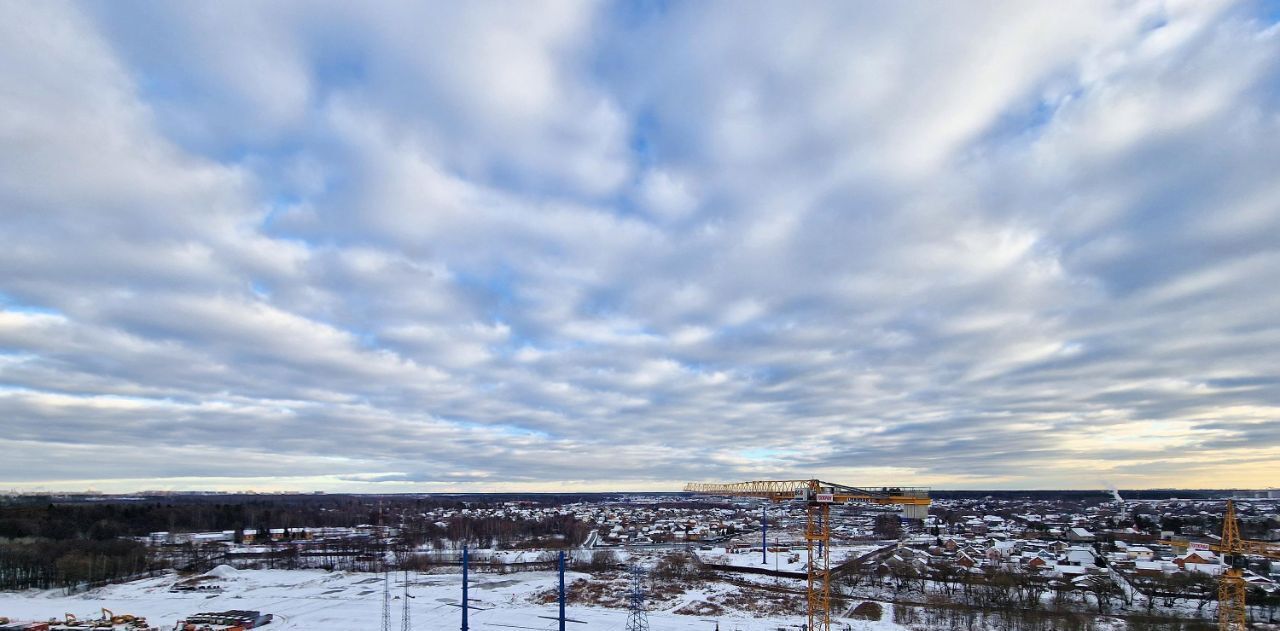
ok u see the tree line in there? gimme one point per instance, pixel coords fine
(71, 563)
(75, 544)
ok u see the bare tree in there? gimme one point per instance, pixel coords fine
(1104, 590)
(947, 575)
(602, 560)
(903, 574)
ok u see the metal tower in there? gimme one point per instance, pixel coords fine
(818, 496)
(386, 598)
(561, 598)
(637, 619)
(1232, 612)
(404, 614)
(817, 535)
(1231, 589)
(386, 574)
(764, 534)
(465, 600)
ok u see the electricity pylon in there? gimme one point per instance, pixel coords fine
(404, 613)
(386, 598)
(386, 574)
(637, 619)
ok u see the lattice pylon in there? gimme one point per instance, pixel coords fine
(386, 599)
(404, 608)
(386, 574)
(637, 618)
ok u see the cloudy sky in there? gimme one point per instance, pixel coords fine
(513, 245)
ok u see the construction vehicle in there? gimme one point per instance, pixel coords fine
(818, 496)
(1232, 588)
(7, 624)
(110, 616)
(109, 621)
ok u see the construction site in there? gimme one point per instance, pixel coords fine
(799, 554)
(617, 315)
(234, 620)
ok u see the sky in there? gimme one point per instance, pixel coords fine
(500, 246)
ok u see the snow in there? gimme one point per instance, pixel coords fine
(223, 572)
(317, 600)
(793, 561)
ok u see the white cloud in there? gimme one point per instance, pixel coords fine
(667, 195)
(403, 246)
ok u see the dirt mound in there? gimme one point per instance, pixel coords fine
(868, 611)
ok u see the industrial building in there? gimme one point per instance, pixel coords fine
(224, 621)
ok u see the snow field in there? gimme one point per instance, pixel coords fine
(316, 600)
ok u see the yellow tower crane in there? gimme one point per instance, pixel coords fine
(818, 496)
(1232, 614)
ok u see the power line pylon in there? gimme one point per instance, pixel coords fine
(386, 574)
(637, 618)
(386, 598)
(404, 609)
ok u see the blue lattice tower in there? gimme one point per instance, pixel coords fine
(561, 595)
(386, 574)
(764, 534)
(465, 599)
(404, 615)
(637, 619)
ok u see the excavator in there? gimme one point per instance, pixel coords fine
(109, 620)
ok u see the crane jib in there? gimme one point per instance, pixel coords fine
(818, 497)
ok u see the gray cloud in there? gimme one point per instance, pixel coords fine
(471, 247)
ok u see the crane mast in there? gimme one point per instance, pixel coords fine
(1232, 588)
(1232, 614)
(818, 496)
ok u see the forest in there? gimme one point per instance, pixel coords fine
(76, 543)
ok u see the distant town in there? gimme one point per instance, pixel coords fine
(1011, 556)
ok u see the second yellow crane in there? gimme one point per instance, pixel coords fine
(818, 496)
(1232, 588)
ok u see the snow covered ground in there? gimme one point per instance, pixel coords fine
(796, 560)
(316, 600)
